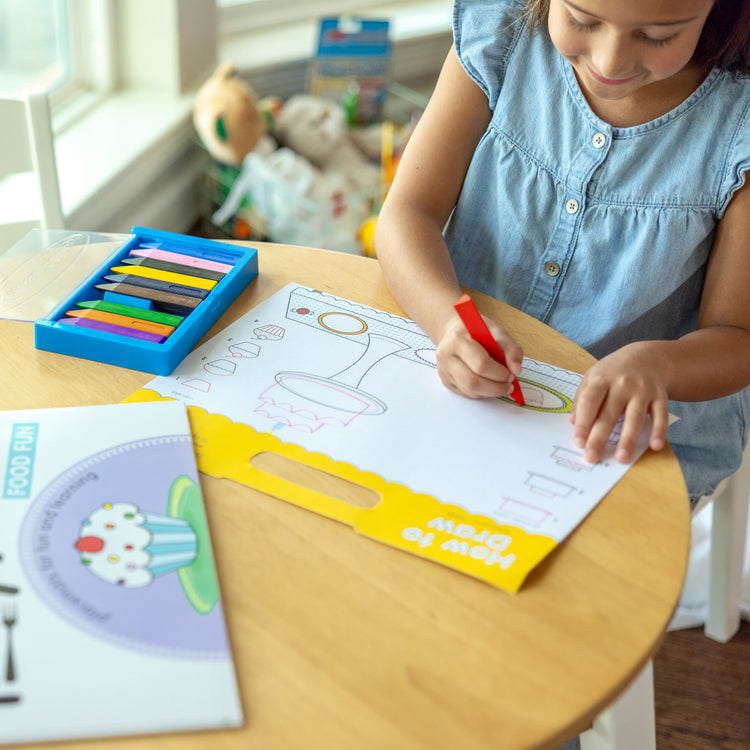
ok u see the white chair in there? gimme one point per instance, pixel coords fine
(29, 188)
(727, 557)
(716, 588)
(630, 721)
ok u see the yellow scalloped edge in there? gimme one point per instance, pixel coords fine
(500, 554)
(145, 394)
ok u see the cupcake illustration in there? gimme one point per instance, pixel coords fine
(127, 547)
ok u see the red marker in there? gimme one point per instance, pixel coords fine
(478, 330)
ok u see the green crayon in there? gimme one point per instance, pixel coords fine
(134, 312)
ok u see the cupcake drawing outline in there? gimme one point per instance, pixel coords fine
(130, 548)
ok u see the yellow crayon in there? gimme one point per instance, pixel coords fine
(173, 278)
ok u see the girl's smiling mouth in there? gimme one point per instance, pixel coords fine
(610, 81)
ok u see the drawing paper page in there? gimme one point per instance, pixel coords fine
(111, 618)
(360, 385)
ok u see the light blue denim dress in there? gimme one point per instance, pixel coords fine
(603, 233)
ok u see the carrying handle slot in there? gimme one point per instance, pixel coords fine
(316, 480)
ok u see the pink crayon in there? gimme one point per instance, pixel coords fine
(185, 260)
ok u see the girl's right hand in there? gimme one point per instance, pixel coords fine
(465, 367)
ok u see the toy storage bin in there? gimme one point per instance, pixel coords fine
(269, 209)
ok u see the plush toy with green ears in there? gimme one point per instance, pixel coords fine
(228, 117)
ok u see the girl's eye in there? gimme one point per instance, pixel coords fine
(658, 42)
(579, 25)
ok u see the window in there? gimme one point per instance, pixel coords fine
(62, 46)
(34, 49)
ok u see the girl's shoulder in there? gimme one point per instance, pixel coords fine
(732, 84)
(485, 33)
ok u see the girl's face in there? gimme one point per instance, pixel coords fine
(617, 48)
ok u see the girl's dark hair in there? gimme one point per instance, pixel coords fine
(724, 42)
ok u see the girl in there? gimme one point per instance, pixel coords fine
(585, 161)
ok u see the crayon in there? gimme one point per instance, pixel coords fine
(165, 265)
(478, 330)
(172, 278)
(122, 320)
(207, 253)
(97, 325)
(174, 257)
(162, 286)
(173, 303)
(132, 311)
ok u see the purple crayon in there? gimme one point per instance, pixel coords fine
(109, 328)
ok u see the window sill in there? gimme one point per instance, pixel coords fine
(121, 149)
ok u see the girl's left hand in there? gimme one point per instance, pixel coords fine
(630, 383)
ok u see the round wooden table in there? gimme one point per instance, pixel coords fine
(343, 643)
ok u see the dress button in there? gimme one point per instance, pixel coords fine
(599, 140)
(572, 206)
(551, 268)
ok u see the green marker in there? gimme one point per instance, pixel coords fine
(132, 311)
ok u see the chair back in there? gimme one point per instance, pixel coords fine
(29, 187)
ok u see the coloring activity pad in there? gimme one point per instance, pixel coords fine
(487, 487)
(111, 621)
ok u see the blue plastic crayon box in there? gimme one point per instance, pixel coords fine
(150, 302)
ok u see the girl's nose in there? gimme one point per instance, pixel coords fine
(612, 57)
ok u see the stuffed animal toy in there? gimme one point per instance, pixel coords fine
(294, 202)
(228, 117)
(316, 128)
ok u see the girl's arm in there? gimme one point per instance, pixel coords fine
(711, 362)
(409, 236)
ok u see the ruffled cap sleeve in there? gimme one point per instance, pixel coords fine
(484, 34)
(738, 160)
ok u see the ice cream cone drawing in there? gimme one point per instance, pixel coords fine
(307, 402)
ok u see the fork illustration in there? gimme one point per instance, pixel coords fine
(10, 618)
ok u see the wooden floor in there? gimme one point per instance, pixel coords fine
(703, 692)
